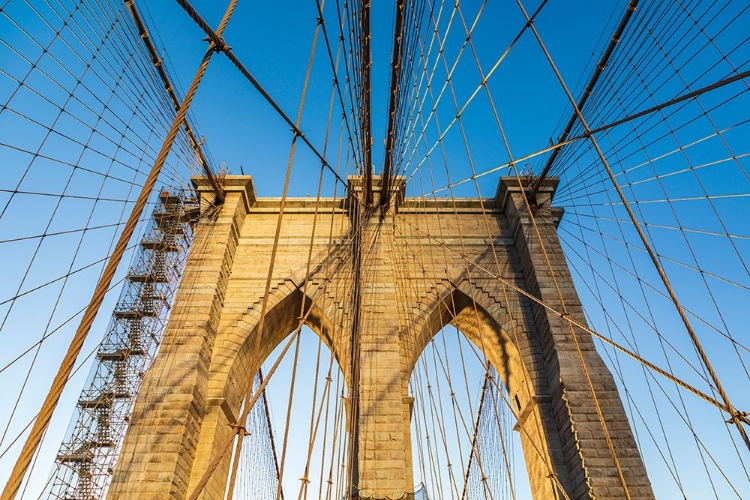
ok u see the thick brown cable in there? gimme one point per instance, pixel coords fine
(50, 402)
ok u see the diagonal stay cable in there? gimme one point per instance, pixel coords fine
(221, 46)
(600, 66)
(158, 64)
(736, 416)
(45, 414)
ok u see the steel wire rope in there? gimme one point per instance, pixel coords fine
(695, 93)
(51, 400)
(503, 445)
(614, 68)
(683, 232)
(168, 98)
(650, 322)
(664, 40)
(415, 292)
(436, 414)
(95, 373)
(591, 168)
(705, 193)
(735, 416)
(106, 175)
(451, 476)
(684, 411)
(311, 441)
(632, 406)
(334, 69)
(105, 459)
(302, 320)
(75, 370)
(650, 286)
(315, 422)
(577, 324)
(435, 472)
(309, 256)
(552, 476)
(659, 107)
(336, 448)
(473, 451)
(169, 87)
(214, 463)
(60, 293)
(449, 72)
(350, 75)
(60, 108)
(445, 366)
(477, 89)
(219, 42)
(50, 129)
(135, 104)
(422, 252)
(25, 428)
(692, 252)
(539, 238)
(452, 196)
(424, 57)
(709, 86)
(234, 470)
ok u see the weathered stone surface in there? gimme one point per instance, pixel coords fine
(423, 265)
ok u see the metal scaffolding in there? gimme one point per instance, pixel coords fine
(87, 456)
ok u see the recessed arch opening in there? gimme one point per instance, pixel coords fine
(304, 403)
(471, 388)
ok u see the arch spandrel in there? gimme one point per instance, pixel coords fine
(237, 361)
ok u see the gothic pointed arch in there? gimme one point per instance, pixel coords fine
(240, 353)
(506, 343)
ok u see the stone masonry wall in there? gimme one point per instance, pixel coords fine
(423, 265)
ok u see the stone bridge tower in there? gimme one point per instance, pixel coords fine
(395, 280)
